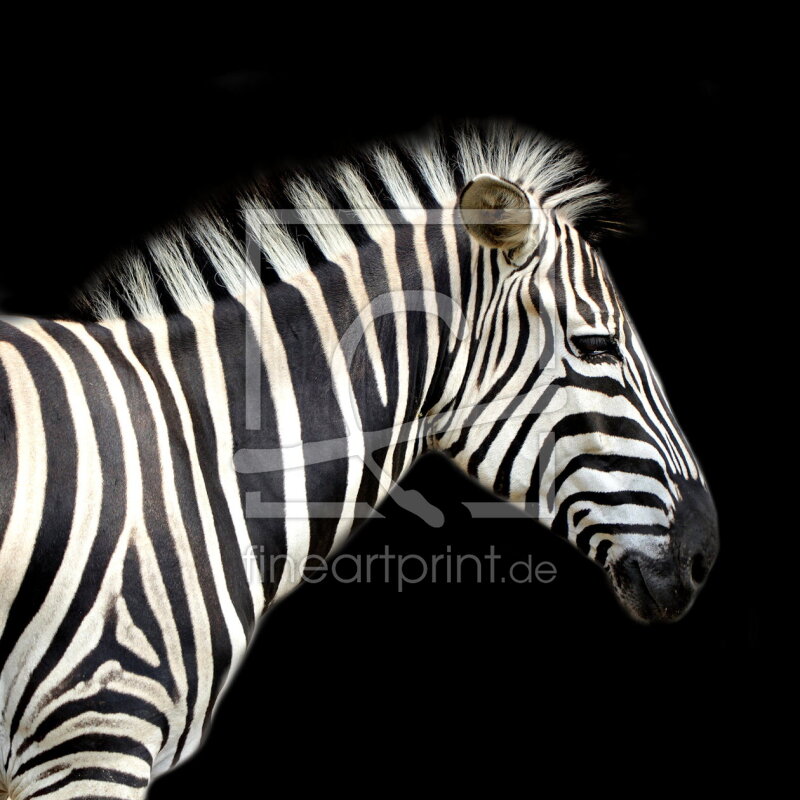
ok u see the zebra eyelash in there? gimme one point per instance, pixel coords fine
(596, 348)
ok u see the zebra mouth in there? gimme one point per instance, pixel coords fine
(650, 603)
(661, 598)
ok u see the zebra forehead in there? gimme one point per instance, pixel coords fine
(375, 185)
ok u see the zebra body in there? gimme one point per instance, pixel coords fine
(151, 457)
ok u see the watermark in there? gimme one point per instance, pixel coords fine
(398, 569)
(475, 412)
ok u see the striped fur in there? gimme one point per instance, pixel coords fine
(250, 383)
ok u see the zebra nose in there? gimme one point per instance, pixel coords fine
(699, 569)
(698, 549)
(696, 533)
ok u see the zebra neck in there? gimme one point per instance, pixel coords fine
(325, 398)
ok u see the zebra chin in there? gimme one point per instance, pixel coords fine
(662, 587)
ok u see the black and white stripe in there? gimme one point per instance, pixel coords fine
(248, 383)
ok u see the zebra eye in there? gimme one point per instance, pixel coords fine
(596, 348)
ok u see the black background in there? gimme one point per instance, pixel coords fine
(361, 687)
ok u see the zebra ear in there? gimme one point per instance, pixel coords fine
(496, 212)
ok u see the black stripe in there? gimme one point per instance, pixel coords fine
(585, 536)
(100, 774)
(601, 552)
(584, 309)
(188, 367)
(61, 487)
(437, 253)
(612, 462)
(673, 452)
(88, 743)
(8, 453)
(593, 279)
(317, 407)
(235, 339)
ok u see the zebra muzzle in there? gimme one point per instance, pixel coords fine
(663, 589)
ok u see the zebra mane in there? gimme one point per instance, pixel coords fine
(296, 220)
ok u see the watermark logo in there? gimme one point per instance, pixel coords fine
(540, 400)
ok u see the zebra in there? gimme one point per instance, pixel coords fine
(255, 378)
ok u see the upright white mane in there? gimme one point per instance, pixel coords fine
(436, 164)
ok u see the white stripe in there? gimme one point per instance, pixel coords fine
(276, 363)
(29, 490)
(217, 394)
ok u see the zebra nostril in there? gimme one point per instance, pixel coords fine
(699, 569)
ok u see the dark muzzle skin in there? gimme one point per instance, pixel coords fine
(663, 589)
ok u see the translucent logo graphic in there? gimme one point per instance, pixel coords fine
(358, 443)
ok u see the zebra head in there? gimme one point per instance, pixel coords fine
(561, 409)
